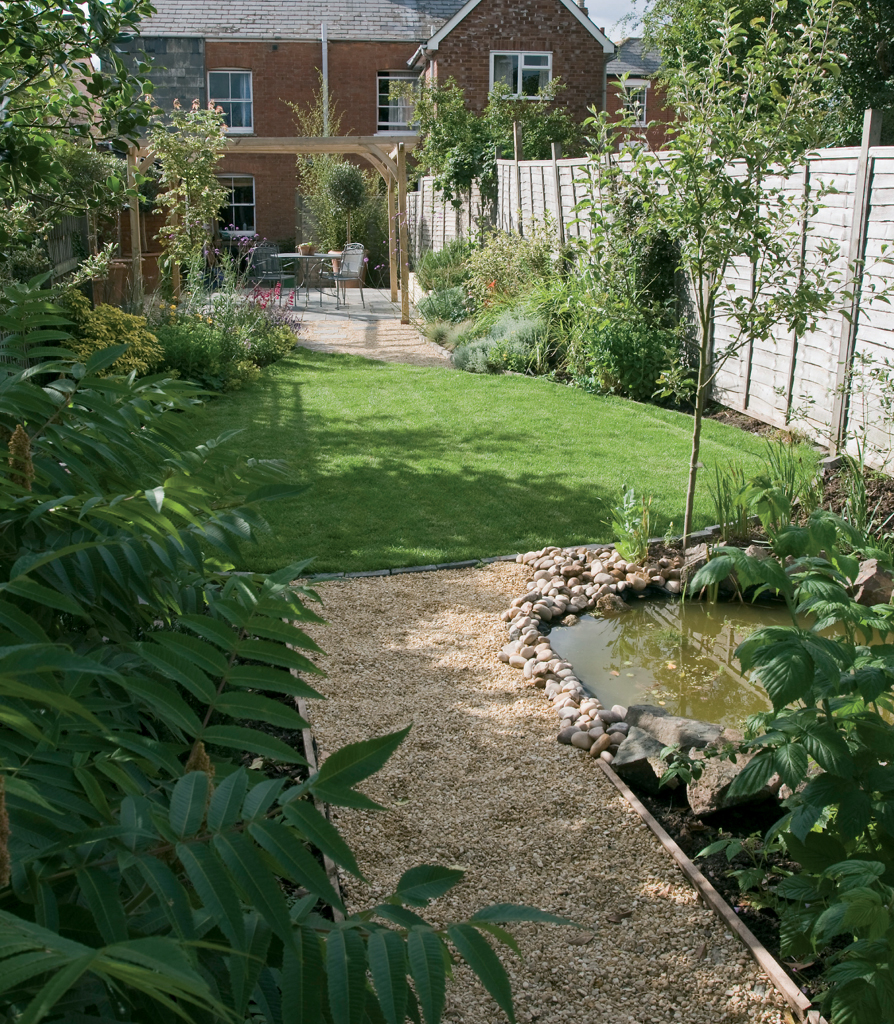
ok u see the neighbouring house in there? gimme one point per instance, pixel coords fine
(640, 91)
(523, 45)
(253, 57)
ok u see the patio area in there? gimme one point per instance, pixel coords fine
(373, 331)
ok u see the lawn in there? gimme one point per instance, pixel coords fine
(407, 465)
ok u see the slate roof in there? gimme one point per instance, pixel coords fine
(379, 20)
(631, 59)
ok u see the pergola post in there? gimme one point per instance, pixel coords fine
(402, 228)
(136, 248)
(392, 238)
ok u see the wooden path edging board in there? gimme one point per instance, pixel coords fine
(783, 984)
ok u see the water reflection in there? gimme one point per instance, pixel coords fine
(677, 654)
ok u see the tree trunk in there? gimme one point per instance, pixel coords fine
(705, 359)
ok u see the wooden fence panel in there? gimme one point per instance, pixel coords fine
(782, 380)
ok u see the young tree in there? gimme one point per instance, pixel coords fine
(459, 145)
(745, 119)
(189, 146)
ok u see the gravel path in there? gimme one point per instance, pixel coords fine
(386, 339)
(481, 783)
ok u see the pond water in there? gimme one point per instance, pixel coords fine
(678, 654)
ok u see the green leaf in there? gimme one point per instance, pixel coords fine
(352, 764)
(294, 861)
(388, 967)
(101, 894)
(790, 760)
(714, 571)
(346, 975)
(797, 887)
(214, 890)
(855, 1003)
(426, 882)
(754, 776)
(322, 834)
(172, 896)
(816, 851)
(474, 949)
(256, 881)
(194, 652)
(302, 976)
(42, 596)
(253, 707)
(225, 805)
(188, 803)
(261, 797)
(251, 740)
(104, 358)
(426, 958)
(55, 989)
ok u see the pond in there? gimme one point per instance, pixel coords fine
(677, 654)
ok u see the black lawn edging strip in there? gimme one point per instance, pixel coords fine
(471, 563)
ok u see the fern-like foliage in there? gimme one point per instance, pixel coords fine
(148, 869)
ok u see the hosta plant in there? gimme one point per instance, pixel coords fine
(159, 836)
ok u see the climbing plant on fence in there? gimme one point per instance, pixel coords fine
(148, 867)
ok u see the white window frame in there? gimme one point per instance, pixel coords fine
(227, 179)
(521, 54)
(392, 76)
(250, 129)
(633, 87)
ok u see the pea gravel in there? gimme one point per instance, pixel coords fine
(481, 783)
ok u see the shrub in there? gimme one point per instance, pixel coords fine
(224, 347)
(451, 304)
(512, 343)
(445, 268)
(508, 264)
(626, 359)
(105, 326)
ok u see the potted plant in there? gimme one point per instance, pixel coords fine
(307, 248)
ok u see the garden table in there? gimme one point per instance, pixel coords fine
(306, 261)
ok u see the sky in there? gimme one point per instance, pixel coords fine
(609, 13)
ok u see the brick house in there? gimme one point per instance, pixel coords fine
(254, 56)
(641, 91)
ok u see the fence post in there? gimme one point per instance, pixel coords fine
(872, 130)
(136, 248)
(557, 185)
(518, 155)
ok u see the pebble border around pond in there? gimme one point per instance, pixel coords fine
(567, 583)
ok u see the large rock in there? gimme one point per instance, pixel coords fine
(710, 793)
(873, 585)
(671, 730)
(638, 760)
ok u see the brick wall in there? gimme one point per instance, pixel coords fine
(274, 176)
(656, 110)
(289, 70)
(533, 25)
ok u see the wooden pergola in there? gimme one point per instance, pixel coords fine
(387, 153)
